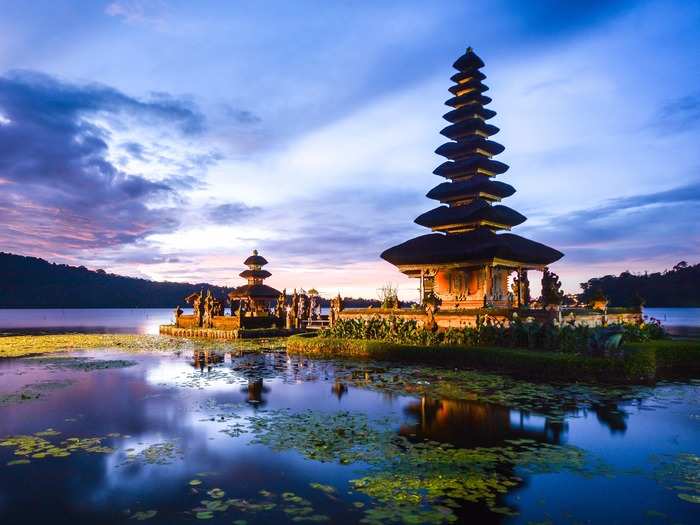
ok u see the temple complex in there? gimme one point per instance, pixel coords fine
(471, 269)
(467, 261)
(256, 309)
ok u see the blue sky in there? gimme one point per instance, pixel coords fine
(167, 139)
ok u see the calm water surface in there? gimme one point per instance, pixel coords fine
(264, 438)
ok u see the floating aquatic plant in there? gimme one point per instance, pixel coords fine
(155, 454)
(424, 479)
(680, 473)
(143, 515)
(36, 447)
(23, 345)
(85, 364)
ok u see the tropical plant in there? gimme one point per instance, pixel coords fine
(389, 296)
(569, 338)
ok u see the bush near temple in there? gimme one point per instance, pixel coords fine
(517, 334)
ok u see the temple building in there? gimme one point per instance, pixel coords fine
(467, 260)
(255, 298)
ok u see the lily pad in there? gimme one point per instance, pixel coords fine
(143, 515)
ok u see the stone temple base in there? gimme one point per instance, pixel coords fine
(215, 333)
(469, 317)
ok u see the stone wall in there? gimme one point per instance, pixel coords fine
(468, 317)
(220, 322)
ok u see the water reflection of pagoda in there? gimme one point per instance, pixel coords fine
(465, 262)
(202, 359)
(255, 390)
(476, 424)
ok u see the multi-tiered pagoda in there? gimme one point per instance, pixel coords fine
(256, 295)
(466, 263)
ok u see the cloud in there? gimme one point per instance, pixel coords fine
(680, 114)
(343, 226)
(134, 149)
(61, 190)
(552, 18)
(230, 212)
(151, 12)
(662, 225)
(241, 116)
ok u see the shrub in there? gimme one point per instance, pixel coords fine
(567, 338)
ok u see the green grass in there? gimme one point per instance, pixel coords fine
(672, 357)
(642, 362)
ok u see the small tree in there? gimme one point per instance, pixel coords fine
(389, 296)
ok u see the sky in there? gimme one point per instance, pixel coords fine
(167, 139)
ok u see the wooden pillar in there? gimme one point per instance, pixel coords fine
(422, 287)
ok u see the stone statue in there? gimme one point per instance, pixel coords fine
(178, 313)
(294, 310)
(303, 307)
(280, 306)
(552, 295)
(333, 313)
(198, 307)
(218, 307)
(431, 303)
(313, 307)
(336, 308)
(208, 317)
(521, 289)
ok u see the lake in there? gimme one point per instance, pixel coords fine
(147, 320)
(262, 437)
(242, 433)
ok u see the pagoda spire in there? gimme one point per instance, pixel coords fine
(470, 191)
(468, 225)
(255, 274)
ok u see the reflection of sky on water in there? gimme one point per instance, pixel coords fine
(179, 398)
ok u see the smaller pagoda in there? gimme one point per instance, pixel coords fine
(254, 298)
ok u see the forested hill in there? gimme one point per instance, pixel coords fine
(679, 286)
(28, 282)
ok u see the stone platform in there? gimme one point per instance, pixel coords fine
(468, 317)
(217, 333)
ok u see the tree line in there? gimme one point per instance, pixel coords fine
(679, 286)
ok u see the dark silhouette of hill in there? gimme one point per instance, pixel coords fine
(29, 282)
(679, 286)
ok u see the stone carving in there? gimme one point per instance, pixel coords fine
(293, 314)
(280, 306)
(218, 308)
(208, 315)
(521, 289)
(431, 303)
(313, 307)
(336, 307)
(198, 307)
(178, 313)
(552, 294)
(303, 307)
